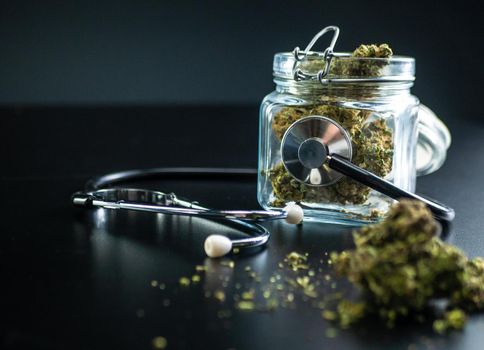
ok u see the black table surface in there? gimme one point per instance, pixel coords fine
(83, 279)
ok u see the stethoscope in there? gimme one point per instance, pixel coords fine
(99, 194)
(315, 150)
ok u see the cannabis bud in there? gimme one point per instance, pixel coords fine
(362, 62)
(401, 266)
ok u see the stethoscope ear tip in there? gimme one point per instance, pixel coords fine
(217, 246)
(295, 214)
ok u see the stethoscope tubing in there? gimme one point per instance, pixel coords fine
(99, 194)
(246, 220)
(91, 199)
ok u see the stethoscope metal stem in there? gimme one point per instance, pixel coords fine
(194, 210)
(168, 203)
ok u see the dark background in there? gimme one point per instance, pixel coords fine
(156, 52)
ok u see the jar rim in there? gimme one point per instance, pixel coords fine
(396, 68)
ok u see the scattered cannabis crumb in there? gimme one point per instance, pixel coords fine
(329, 315)
(248, 295)
(196, 278)
(230, 263)
(401, 267)
(184, 281)
(296, 261)
(245, 305)
(200, 268)
(159, 343)
(219, 295)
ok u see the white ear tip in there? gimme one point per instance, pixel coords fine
(295, 213)
(217, 246)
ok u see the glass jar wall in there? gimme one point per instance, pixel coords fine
(380, 119)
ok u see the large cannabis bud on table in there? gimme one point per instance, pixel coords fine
(401, 266)
(371, 137)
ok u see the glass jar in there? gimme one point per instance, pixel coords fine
(369, 99)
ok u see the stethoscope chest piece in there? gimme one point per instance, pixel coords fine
(307, 144)
(317, 151)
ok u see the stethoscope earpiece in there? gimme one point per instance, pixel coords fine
(217, 246)
(294, 214)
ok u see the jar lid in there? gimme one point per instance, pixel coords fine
(394, 69)
(340, 67)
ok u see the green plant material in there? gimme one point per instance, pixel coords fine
(376, 51)
(159, 343)
(309, 289)
(219, 295)
(365, 61)
(453, 319)
(284, 187)
(401, 266)
(329, 315)
(371, 137)
(230, 263)
(196, 278)
(296, 261)
(349, 312)
(245, 305)
(184, 281)
(248, 295)
(201, 268)
(372, 150)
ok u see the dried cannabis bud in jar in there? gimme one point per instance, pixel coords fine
(401, 266)
(372, 150)
(371, 137)
(363, 67)
(359, 64)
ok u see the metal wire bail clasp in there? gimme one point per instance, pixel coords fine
(327, 55)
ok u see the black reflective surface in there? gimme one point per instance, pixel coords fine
(81, 279)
